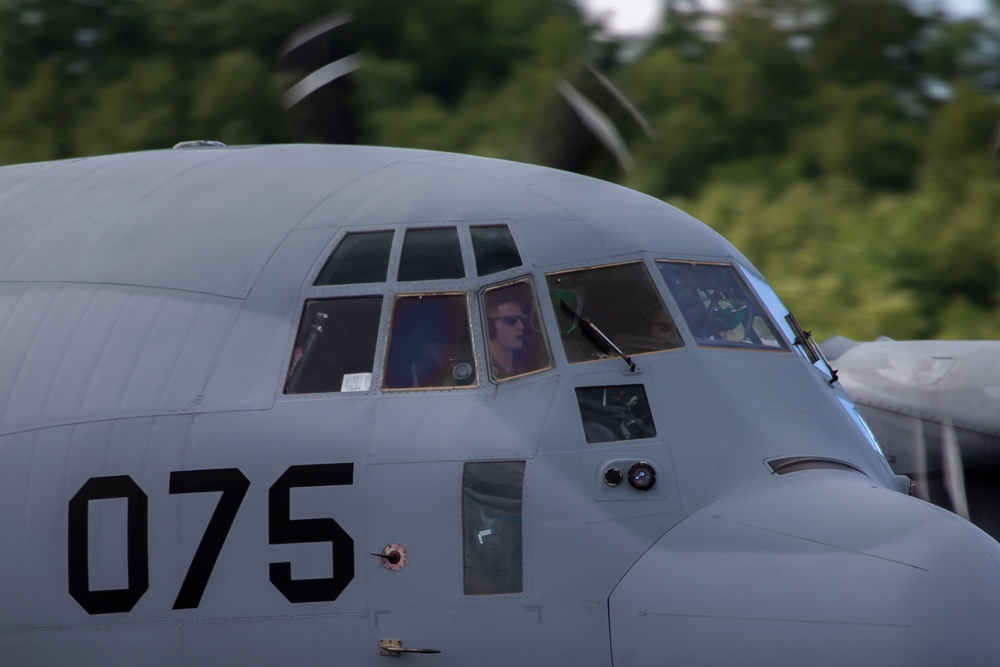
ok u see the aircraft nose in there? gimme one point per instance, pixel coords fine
(817, 568)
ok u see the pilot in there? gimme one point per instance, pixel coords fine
(507, 321)
(728, 321)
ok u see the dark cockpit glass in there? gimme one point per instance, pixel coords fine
(718, 307)
(615, 413)
(494, 248)
(431, 254)
(359, 258)
(430, 345)
(335, 347)
(621, 301)
(514, 330)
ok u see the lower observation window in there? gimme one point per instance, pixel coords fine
(615, 413)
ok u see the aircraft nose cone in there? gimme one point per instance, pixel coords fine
(817, 568)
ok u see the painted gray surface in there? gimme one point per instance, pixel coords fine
(148, 310)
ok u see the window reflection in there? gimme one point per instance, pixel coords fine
(335, 347)
(516, 340)
(430, 345)
(718, 307)
(621, 301)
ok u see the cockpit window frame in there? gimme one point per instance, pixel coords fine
(760, 308)
(653, 285)
(386, 352)
(535, 319)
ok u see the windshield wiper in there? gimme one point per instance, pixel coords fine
(805, 340)
(597, 336)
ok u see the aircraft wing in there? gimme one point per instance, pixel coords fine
(901, 386)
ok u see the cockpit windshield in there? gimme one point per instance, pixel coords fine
(621, 301)
(718, 307)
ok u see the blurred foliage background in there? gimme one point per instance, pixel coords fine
(847, 147)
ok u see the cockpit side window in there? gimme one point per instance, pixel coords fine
(430, 343)
(514, 330)
(361, 257)
(494, 248)
(718, 307)
(335, 347)
(431, 254)
(621, 301)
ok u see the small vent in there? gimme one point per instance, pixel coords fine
(796, 463)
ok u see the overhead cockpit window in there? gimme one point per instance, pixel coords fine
(491, 527)
(514, 331)
(359, 258)
(431, 254)
(494, 248)
(719, 308)
(430, 344)
(335, 347)
(619, 302)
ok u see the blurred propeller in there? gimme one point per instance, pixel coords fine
(954, 476)
(318, 106)
(598, 120)
(627, 103)
(320, 78)
(920, 458)
(598, 123)
(995, 141)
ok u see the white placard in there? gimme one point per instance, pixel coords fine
(356, 382)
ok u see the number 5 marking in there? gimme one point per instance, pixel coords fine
(233, 484)
(285, 530)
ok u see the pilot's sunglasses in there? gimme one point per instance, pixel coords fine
(511, 320)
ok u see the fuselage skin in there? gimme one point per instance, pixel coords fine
(150, 309)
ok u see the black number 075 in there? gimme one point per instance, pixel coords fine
(233, 485)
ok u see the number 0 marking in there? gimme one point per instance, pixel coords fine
(78, 540)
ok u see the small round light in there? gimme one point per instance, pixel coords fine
(613, 476)
(642, 476)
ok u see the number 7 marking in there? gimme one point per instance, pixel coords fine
(233, 484)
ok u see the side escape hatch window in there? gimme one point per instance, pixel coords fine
(335, 346)
(491, 527)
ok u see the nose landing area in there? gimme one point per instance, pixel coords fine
(818, 568)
